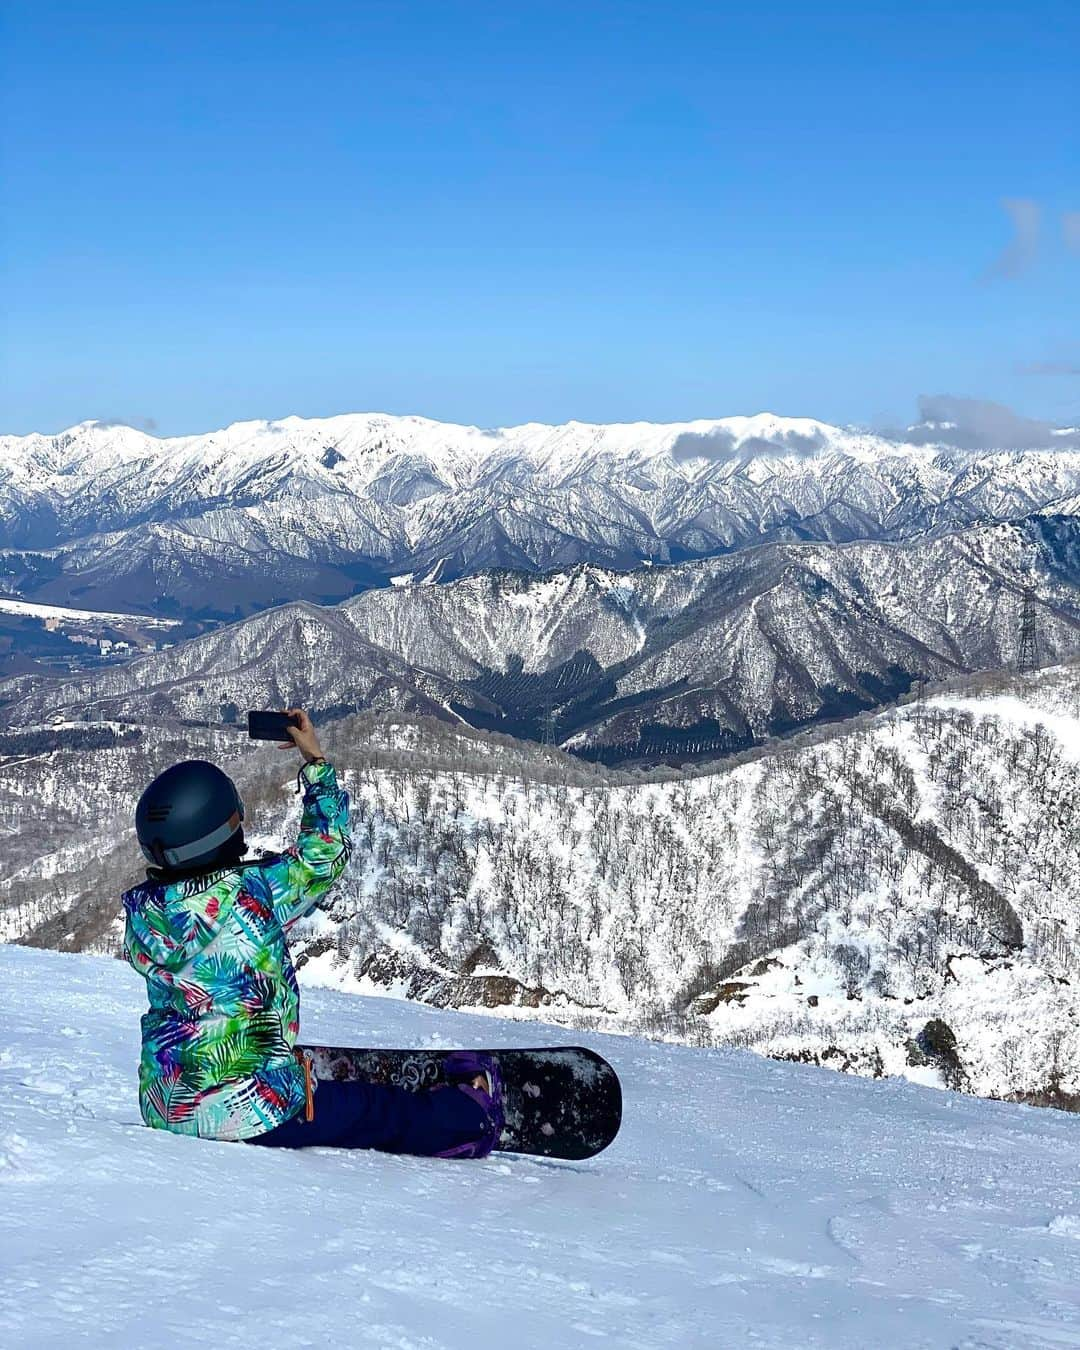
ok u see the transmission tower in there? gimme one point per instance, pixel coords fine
(548, 723)
(1029, 653)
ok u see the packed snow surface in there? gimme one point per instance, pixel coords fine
(25, 607)
(746, 1203)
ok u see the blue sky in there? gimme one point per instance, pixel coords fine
(536, 211)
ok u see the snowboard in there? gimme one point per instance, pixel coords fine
(564, 1102)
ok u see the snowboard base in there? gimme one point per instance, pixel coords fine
(564, 1102)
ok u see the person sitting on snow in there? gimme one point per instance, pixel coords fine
(207, 930)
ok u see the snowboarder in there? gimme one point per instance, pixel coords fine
(207, 930)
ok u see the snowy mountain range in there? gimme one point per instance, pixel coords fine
(217, 525)
(667, 662)
(889, 897)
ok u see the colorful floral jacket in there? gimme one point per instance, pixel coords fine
(217, 1044)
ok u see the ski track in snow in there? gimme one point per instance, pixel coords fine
(746, 1203)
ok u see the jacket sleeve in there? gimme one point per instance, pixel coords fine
(305, 873)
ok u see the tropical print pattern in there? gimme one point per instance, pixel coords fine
(217, 1044)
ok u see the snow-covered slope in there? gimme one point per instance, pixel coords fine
(47, 612)
(260, 512)
(666, 662)
(745, 1203)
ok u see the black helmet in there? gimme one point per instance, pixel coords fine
(191, 818)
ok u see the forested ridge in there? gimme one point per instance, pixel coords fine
(828, 898)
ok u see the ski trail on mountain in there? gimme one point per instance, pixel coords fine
(745, 1203)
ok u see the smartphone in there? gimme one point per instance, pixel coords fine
(270, 726)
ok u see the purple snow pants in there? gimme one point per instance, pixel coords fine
(368, 1115)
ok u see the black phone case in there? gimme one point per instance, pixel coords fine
(270, 726)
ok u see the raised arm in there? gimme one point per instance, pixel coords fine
(306, 872)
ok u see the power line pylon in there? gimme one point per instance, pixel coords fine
(1029, 651)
